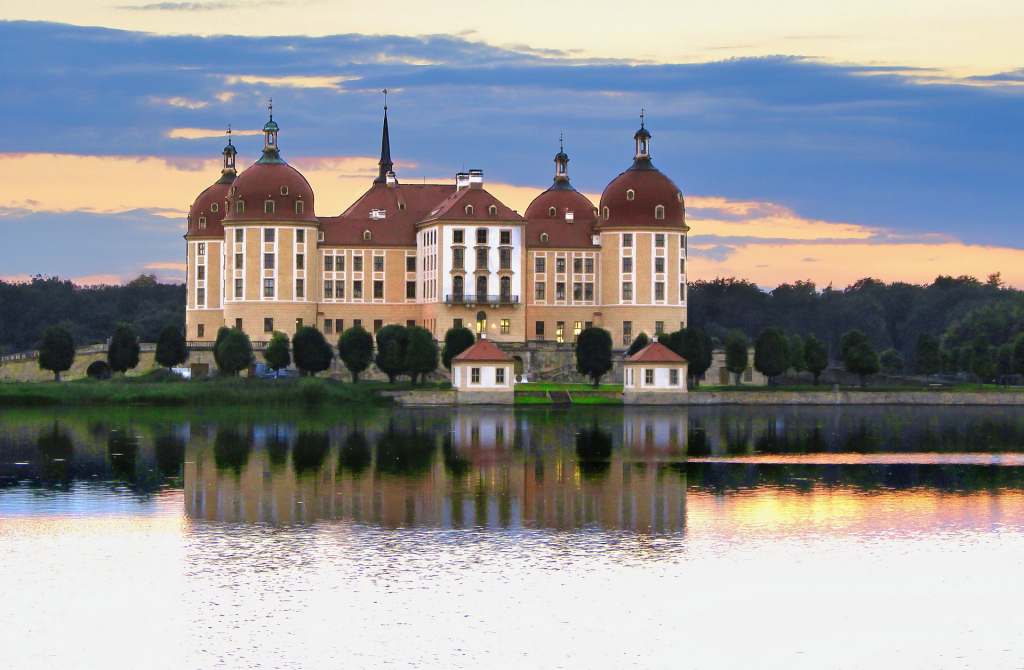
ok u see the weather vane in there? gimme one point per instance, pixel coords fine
(385, 92)
(641, 117)
(270, 108)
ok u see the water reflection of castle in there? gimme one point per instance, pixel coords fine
(474, 468)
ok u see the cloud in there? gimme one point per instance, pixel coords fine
(165, 265)
(206, 133)
(293, 81)
(180, 102)
(180, 6)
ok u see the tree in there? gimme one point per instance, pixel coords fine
(234, 352)
(983, 360)
(638, 343)
(222, 332)
(311, 351)
(355, 348)
(927, 355)
(1004, 362)
(737, 354)
(56, 351)
(123, 352)
(891, 362)
(859, 357)
(456, 340)
(392, 341)
(815, 357)
(690, 343)
(420, 353)
(700, 365)
(170, 348)
(771, 353)
(277, 354)
(594, 353)
(1018, 354)
(797, 362)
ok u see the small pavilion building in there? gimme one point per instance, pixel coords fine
(655, 375)
(483, 374)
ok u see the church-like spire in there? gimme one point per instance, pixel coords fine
(561, 163)
(271, 151)
(385, 167)
(227, 172)
(642, 138)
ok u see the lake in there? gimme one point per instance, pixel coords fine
(769, 537)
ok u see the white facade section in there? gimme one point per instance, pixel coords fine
(493, 246)
(482, 376)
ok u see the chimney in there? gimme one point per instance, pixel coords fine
(476, 178)
(569, 217)
(461, 180)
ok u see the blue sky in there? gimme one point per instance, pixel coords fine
(913, 154)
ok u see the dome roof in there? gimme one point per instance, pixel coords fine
(563, 198)
(633, 197)
(207, 212)
(275, 181)
(546, 223)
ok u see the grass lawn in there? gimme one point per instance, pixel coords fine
(957, 388)
(553, 386)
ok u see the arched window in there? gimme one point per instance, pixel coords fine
(300, 207)
(481, 322)
(679, 195)
(544, 237)
(506, 289)
(492, 210)
(552, 212)
(458, 288)
(268, 206)
(367, 235)
(481, 288)
(630, 194)
(214, 207)
(659, 212)
(239, 206)
(469, 210)
(284, 190)
(202, 222)
(607, 213)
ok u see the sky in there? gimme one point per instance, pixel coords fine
(813, 140)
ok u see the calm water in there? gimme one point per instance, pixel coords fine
(718, 537)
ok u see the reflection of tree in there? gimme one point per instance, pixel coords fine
(697, 442)
(277, 448)
(231, 449)
(404, 453)
(593, 451)
(310, 451)
(56, 452)
(170, 454)
(455, 464)
(124, 450)
(355, 455)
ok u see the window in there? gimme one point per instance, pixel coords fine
(300, 207)
(239, 261)
(648, 376)
(239, 235)
(367, 235)
(560, 265)
(577, 265)
(300, 236)
(577, 329)
(214, 207)
(357, 323)
(377, 325)
(410, 264)
(239, 207)
(544, 237)
(378, 290)
(505, 258)
(284, 190)
(200, 272)
(357, 289)
(268, 261)
(201, 249)
(328, 326)
(410, 290)
(458, 288)
(539, 290)
(268, 206)
(588, 266)
(506, 326)
(659, 264)
(300, 288)
(357, 263)
(627, 332)
(458, 236)
(378, 264)
(682, 266)
(682, 291)
(319, 236)
(456, 323)
(673, 377)
(328, 263)
(627, 264)
(200, 331)
(560, 331)
(552, 211)
(481, 288)
(469, 210)
(268, 288)
(539, 266)
(606, 213)
(268, 324)
(577, 290)
(659, 290)
(328, 289)
(505, 237)
(627, 290)
(409, 323)
(560, 290)
(339, 263)
(588, 291)
(627, 239)
(505, 288)
(238, 324)
(200, 296)
(238, 289)
(458, 258)
(339, 290)
(499, 376)
(298, 323)
(269, 234)
(659, 240)
(481, 259)
(659, 212)
(339, 326)
(481, 236)
(300, 261)
(659, 327)
(538, 329)
(474, 375)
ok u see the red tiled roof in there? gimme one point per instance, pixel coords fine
(398, 227)
(483, 351)
(560, 234)
(655, 352)
(263, 181)
(202, 207)
(650, 188)
(453, 208)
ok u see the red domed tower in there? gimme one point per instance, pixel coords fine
(205, 253)
(270, 236)
(643, 230)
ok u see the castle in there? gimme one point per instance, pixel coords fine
(439, 256)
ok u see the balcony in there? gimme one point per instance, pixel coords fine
(481, 299)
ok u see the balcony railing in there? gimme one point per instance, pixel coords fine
(480, 299)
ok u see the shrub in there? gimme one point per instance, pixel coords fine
(312, 353)
(222, 332)
(891, 361)
(737, 354)
(234, 352)
(421, 353)
(456, 340)
(277, 354)
(123, 353)
(815, 357)
(795, 348)
(56, 351)
(858, 355)
(927, 355)
(355, 348)
(771, 353)
(170, 348)
(594, 353)
(392, 341)
(638, 343)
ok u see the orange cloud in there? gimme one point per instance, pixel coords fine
(296, 81)
(180, 102)
(204, 133)
(97, 279)
(165, 265)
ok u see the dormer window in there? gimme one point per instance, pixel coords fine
(659, 212)
(469, 210)
(367, 235)
(552, 212)
(492, 210)
(268, 206)
(284, 190)
(300, 207)
(202, 222)
(401, 205)
(377, 214)
(679, 195)
(239, 207)
(607, 213)
(630, 194)
(544, 237)
(214, 207)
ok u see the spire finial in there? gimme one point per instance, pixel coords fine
(385, 165)
(641, 117)
(385, 92)
(561, 142)
(229, 134)
(270, 108)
